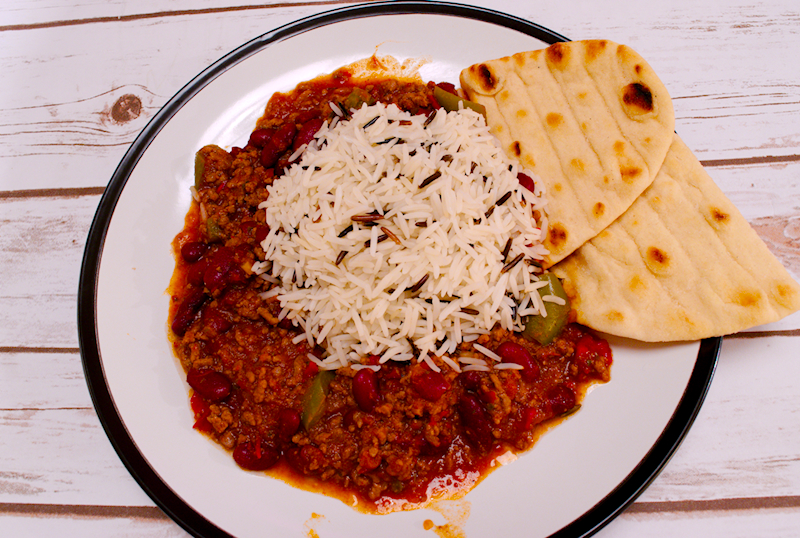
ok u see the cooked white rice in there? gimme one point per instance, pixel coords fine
(366, 305)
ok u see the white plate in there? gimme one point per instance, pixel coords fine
(576, 478)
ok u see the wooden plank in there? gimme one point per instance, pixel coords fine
(746, 439)
(17, 523)
(40, 255)
(43, 380)
(731, 100)
(22, 15)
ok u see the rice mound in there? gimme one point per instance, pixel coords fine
(452, 227)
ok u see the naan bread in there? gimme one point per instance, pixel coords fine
(590, 118)
(681, 264)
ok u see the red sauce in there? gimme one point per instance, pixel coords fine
(381, 436)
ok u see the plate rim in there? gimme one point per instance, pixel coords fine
(134, 461)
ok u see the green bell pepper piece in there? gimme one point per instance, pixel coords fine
(450, 101)
(314, 398)
(199, 169)
(545, 329)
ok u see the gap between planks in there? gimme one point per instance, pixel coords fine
(162, 14)
(153, 512)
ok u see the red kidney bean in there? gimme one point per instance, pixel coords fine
(255, 456)
(193, 251)
(560, 399)
(269, 156)
(221, 263)
(261, 232)
(284, 136)
(430, 385)
(209, 384)
(365, 390)
(470, 380)
(475, 421)
(194, 273)
(306, 132)
(288, 423)
(526, 181)
(260, 137)
(215, 320)
(187, 311)
(515, 353)
(235, 151)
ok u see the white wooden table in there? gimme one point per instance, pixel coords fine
(733, 69)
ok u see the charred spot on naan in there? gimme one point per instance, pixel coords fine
(746, 298)
(556, 235)
(554, 119)
(485, 78)
(598, 210)
(516, 149)
(637, 100)
(558, 55)
(657, 260)
(595, 48)
(716, 217)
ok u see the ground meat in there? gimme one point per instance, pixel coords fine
(378, 435)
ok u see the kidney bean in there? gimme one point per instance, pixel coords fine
(215, 320)
(215, 277)
(475, 421)
(235, 151)
(284, 136)
(288, 423)
(255, 456)
(187, 311)
(269, 156)
(193, 251)
(209, 384)
(194, 273)
(587, 350)
(515, 353)
(306, 132)
(261, 232)
(560, 399)
(526, 181)
(260, 137)
(365, 390)
(470, 380)
(430, 385)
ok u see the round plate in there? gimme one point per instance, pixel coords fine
(576, 479)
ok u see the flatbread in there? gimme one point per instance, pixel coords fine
(681, 264)
(589, 118)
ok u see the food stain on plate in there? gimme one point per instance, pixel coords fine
(311, 523)
(455, 512)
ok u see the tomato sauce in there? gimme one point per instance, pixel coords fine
(380, 437)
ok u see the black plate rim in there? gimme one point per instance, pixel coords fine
(147, 478)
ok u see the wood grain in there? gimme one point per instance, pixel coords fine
(82, 79)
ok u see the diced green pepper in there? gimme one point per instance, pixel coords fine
(199, 169)
(450, 101)
(357, 98)
(314, 398)
(213, 230)
(544, 329)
